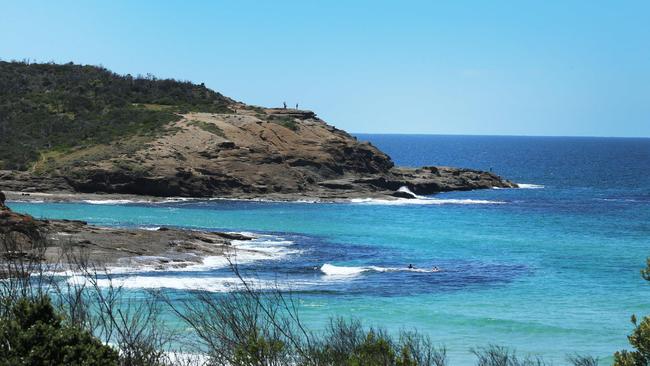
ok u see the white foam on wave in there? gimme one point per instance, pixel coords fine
(529, 186)
(187, 199)
(618, 199)
(112, 202)
(23, 201)
(262, 247)
(406, 189)
(343, 271)
(332, 270)
(212, 284)
(265, 200)
(140, 201)
(150, 228)
(66, 271)
(424, 201)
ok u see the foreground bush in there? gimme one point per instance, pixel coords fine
(639, 339)
(33, 334)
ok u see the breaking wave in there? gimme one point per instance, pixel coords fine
(530, 186)
(342, 271)
(212, 284)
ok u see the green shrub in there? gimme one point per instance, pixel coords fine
(287, 122)
(376, 350)
(258, 350)
(639, 339)
(34, 334)
(208, 127)
(50, 106)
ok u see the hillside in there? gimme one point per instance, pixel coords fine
(84, 129)
(56, 107)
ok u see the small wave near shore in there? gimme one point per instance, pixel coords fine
(343, 271)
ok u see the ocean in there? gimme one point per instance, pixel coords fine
(551, 269)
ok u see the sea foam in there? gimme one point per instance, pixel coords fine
(342, 271)
(212, 284)
(113, 202)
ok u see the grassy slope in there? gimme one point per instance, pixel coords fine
(48, 109)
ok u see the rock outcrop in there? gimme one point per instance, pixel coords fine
(11, 222)
(251, 153)
(23, 237)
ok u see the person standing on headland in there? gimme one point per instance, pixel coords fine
(296, 106)
(284, 104)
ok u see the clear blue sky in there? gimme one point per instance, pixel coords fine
(452, 67)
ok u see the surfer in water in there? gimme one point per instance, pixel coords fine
(435, 269)
(410, 266)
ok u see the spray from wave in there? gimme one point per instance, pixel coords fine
(530, 186)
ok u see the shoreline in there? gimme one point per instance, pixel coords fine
(119, 198)
(61, 244)
(136, 249)
(99, 198)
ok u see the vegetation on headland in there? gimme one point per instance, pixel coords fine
(286, 121)
(50, 107)
(208, 127)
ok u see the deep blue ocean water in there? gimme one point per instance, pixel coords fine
(549, 271)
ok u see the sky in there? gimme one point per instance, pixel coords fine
(567, 68)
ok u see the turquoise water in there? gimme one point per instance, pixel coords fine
(550, 271)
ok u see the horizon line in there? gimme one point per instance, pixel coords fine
(496, 135)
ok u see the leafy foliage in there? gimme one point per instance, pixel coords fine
(639, 339)
(348, 343)
(257, 350)
(645, 273)
(50, 106)
(287, 122)
(33, 334)
(208, 127)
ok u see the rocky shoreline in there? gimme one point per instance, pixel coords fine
(137, 249)
(401, 183)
